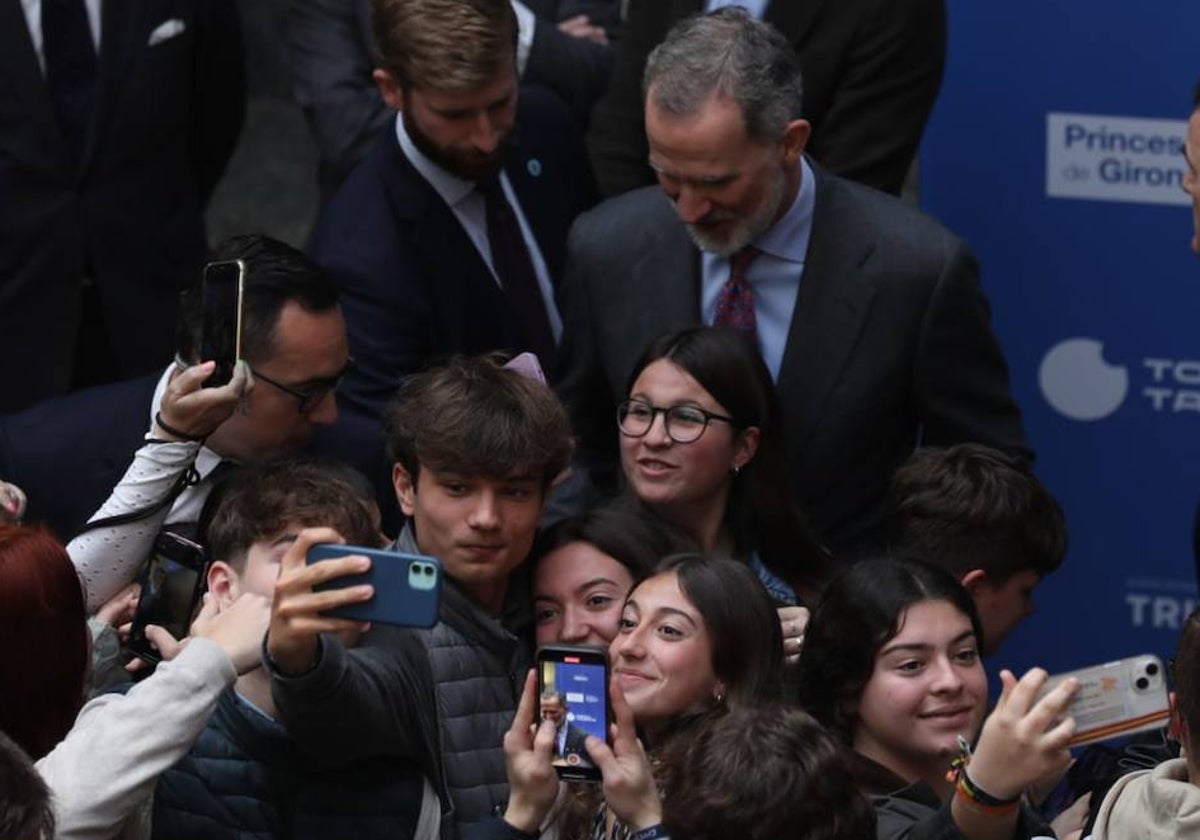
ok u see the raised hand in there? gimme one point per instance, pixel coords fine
(793, 621)
(1024, 738)
(628, 778)
(192, 411)
(532, 780)
(296, 614)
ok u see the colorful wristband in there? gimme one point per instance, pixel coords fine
(981, 800)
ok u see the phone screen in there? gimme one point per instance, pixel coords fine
(171, 583)
(220, 339)
(573, 693)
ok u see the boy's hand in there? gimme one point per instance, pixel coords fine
(296, 614)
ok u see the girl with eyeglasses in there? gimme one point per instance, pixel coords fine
(702, 448)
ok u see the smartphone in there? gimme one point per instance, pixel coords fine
(221, 318)
(1117, 698)
(172, 582)
(572, 684)
(407, 586)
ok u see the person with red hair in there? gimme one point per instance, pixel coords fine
(41, 609)
(102, 760)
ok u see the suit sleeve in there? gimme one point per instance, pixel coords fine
(884, 95)
(220, 91)
(961, 377)
(331, 81)
(581, 384)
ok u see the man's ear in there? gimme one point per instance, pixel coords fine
(406, 489)
(974, 580)
(389, 89)
(794, 141)
(224, 583)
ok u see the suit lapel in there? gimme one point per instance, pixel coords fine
(118, 35)
(443, 245)
(831, 308)
(19, 64)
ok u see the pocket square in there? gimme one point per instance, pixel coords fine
(166, 30)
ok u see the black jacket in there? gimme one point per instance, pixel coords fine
(246, 778)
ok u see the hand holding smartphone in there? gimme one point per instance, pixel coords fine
(407, 586)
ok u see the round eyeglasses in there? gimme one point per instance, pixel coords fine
(684, 423)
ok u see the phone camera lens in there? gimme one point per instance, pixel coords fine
(1142, 683)
(1152, 669)
(427, 570)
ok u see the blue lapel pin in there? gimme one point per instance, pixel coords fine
(534, 167)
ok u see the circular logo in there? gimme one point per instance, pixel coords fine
(1078, 383)
(533, 167)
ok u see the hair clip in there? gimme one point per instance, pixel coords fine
(528, 366)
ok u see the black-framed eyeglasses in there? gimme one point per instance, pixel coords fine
(312, 396)
(684, 423)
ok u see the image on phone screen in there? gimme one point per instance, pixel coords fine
(573, 694)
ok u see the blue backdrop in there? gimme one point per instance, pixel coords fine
(1055, 150)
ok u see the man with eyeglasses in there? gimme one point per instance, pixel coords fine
(293, 344)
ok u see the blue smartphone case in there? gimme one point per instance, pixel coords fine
(407, 586)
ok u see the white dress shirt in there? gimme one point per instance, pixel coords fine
(33, 19)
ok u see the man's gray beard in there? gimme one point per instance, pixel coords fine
(744, 232)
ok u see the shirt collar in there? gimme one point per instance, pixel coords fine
(788, 238)
(449, 186)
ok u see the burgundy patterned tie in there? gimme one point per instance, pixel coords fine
(735, 303)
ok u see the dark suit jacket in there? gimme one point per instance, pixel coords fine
(331, 70)
(68, 453)
(165, 121)
(414, 289)
(872, 69)
(890, 342)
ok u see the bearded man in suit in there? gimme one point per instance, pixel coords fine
(868, 314)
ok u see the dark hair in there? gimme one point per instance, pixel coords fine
(1196, 96)
(972, 507)
(762, 513)
(633, 537)
(450, 45)
(275, 274)
(727, 53)
(26, 810)
(1185, 672)
(766, 773)
(473, 416)
(43, 618)
(259, 501)
(861, 609)
(741, 621)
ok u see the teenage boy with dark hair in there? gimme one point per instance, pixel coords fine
(245, 776)
(982, 515)
(476, 446)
